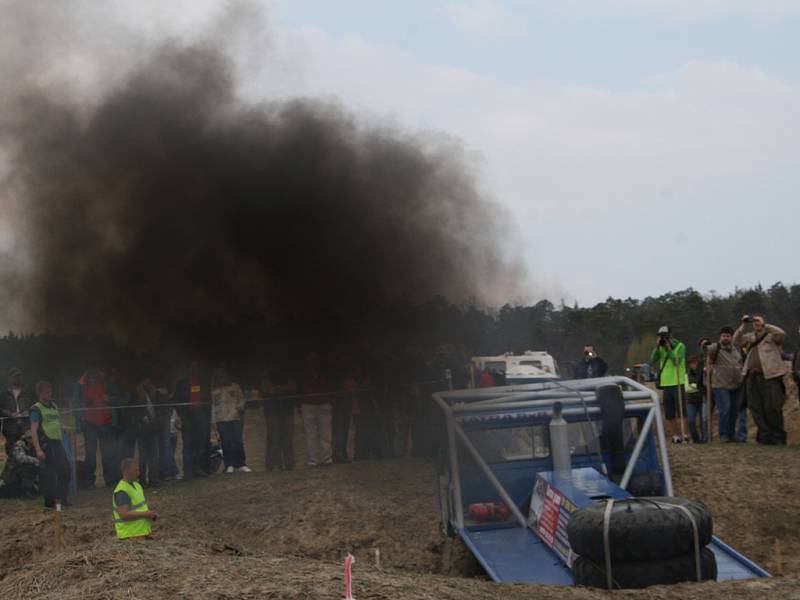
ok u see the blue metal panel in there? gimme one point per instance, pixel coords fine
(583, 486)
(517, 477)
(731, 564)
(514, 554)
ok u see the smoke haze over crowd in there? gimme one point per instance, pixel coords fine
(167, 198)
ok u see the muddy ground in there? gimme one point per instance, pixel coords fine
(283, 535)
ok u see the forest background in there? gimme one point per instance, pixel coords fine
(622, 330)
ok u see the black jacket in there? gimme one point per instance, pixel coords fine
(588, 369)
(181, 397)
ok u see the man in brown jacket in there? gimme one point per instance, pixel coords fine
(764, 369)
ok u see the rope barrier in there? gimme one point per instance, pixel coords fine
(157, 405)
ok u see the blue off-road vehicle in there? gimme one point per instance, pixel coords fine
(519, 463)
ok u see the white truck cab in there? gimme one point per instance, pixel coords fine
(528, 367)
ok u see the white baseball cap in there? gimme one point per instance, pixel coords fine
(663, 329)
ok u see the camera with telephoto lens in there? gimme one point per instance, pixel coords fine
(589, 354)
(747, 320)
(662, 339)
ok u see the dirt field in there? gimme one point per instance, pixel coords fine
(283, 535)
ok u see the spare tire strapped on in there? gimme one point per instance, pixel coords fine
(640, 529)
(633, 575)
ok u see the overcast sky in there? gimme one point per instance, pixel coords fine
(641, 146)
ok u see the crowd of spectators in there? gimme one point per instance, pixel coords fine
(351, 406)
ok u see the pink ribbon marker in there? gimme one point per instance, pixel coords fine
(348, 578)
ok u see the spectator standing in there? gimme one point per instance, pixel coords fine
(406, 390)
(441, 373)
(381, 371)
(591, 365)
(764, 369)
(193, 396)
(694, 401)
(278, 387)
(54, 471)
(227, 409)
(167, 469)
(366, 415)
(341, 413)
(351, 385)
(317, 413)
(670, 356)
(148, 432)
(96, 420)
(14, 408)
(725, 360)
(126, 398)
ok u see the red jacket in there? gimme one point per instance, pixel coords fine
(93, 400)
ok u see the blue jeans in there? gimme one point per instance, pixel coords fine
(103, 436)
(732, 421)
(692, 412)
(723, 400)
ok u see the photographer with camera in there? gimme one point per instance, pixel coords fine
(670, 357)
(591, 365)
(764, 369)
(725, 361)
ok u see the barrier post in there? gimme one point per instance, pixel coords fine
(348, 579)
(778, 558)
(57, 520)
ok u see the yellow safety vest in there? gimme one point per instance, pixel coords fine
(51, 423)
(134, 527)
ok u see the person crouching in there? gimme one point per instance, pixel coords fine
(132, 516)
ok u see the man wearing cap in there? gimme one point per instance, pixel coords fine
(764, 369)
(669, 356)
(15, 405)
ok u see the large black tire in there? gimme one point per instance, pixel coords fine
(639, 529)
(634, 575)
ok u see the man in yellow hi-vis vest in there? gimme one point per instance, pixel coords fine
(132, 517)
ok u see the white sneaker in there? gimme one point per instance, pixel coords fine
(245, 469)
(229, 469)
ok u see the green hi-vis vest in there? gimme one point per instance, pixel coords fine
(133, 527)
(668, 371)
(51, 422)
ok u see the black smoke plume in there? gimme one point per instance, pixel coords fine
(171, 201)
